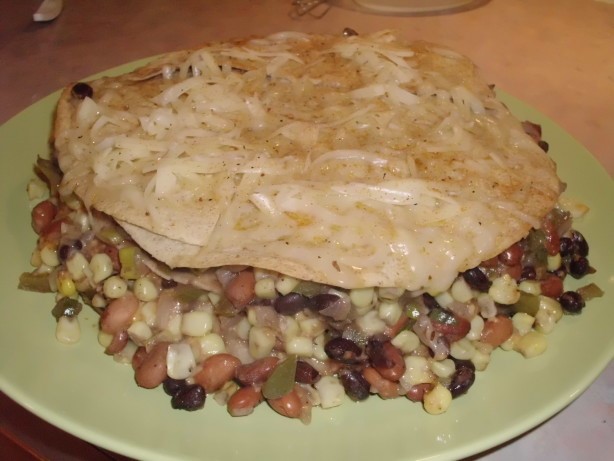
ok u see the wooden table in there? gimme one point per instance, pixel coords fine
(556, 55)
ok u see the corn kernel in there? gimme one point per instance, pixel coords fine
(36, 189)
(67, 330)
(212, 344)
(98, 301)
(461, 291)
(370, 323)
(437, 400)
(35, 258)
(480, 360)
(145, 289)
(242, 328)
(331, 392)
(104, 339)
(126, 354)
(390, 312)
(407, 341)
(533, 287)
(532, 344)
(196, 323)
(289, 326)
(477, 325)
(265, 288)
(504, 290)
(510, 343)
(444, 299)
(77, 265)
(66, 286)
(551, 306)
(462, 349)
(173, 327)
(553, 262)
(261, 341)
(101, 267)
(390, 293)
(139, 332)
(318, 348)
(362, 298)
(179, 361)
(299, 345)
(443, 368)
(148, 313)
(523, 322)
(114, 287)
(285, 284)
(312, 327)
(49, 256)
(417, 371)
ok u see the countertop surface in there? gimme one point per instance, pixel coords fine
(555, 55)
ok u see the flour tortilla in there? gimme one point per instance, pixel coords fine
(354, 161)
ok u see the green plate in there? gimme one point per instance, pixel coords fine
(84, 392)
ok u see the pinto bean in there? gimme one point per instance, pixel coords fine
(243, 401)
(512, 256)
(289, 405)
(395, 329)
(240, 290)
(119, 313)
(384, 387)
(256, 372)
(417, 391)
(552, 286)
(119, 341)
(42, 215)
(497, 330)
(217, 370)
(152, 371)
(138, 357)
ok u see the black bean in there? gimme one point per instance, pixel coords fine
(377, 355)
(322, 301)
(82, 90)
(566, 246)
(343, 350)
(172, 386)
(291, 303)
(528, 273)
(430, 302)
(64, 252)
(580, 243)
(578, 267)
(190, 398)
(349, 32)
(463, 378)
(168, 283)
(572, 302)
(477, 279)
(543, 144)
(305, 373)
(355, 385)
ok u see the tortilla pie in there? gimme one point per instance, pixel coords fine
(352, 161)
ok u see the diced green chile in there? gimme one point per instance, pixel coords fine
(34, 282)
(536, 245)
(527, 303)
(442, 316)
(281, 380)
(67, 307)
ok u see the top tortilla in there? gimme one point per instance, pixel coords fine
(352, 161)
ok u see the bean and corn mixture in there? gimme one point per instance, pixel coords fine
(244, 336)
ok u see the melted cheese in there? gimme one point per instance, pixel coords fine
(342, 156)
